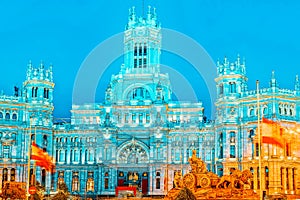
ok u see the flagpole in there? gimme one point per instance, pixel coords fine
(259, 141)
(28, 162)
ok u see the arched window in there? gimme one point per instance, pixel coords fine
(14, 116)
(1, 115)
(139, 93)
(232, 87)
(7, 116)
(34, 91)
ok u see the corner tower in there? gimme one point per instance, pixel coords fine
(38, 94)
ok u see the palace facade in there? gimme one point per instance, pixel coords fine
(139, 136)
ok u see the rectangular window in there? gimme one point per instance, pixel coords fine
(126, 117)
(135, 63)
(232, 151)
(140, 51)
(145, 50)
(133, 118)
(106, 183)
(147, 118)
(135, 51)
(256, 149)
(141, 118)
(144, 62)
(140, 63)
(157, 183)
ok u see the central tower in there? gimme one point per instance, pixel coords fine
(142, 43)
(140, 81)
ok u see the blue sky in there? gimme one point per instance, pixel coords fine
(63, 33)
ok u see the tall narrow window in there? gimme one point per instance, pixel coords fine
(256, 149)
(7, 116)
(135, 63)
(106, 180)
(232, 87)
(12, 174)
(43, 177)
(140, 63)
(221, 89)
(287, 149)
(14, 117)
(75, 181)
(267, 177)
(90, 185)
(141, 118)
(144, 63)
(232, 151)
(145, 50)
(140, 50)
(135, 51)
(5, 174)
(147, 118)
(221, 145)
(158, 183)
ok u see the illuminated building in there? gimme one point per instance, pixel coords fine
(138, 134)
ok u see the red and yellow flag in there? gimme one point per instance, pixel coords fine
(271, 133)
(42, 158)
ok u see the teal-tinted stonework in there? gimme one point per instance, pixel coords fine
(138, 134)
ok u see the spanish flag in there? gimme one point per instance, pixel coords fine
(271, 133)
(42, 158)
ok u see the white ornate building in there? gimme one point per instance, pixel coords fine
(139, 136)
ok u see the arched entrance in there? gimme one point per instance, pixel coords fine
(132, 159)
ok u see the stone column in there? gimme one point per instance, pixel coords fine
(263, 178)
(283, 178)
(274, 178)
(291, 182)
(297, 180)
(255, 180)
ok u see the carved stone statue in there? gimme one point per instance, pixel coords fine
(198, 166)
(178, 179)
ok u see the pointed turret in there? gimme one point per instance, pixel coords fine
(297, 85)
(232, 78)
(273, 82)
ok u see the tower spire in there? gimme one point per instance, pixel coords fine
(273, 82)
(297, 84)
